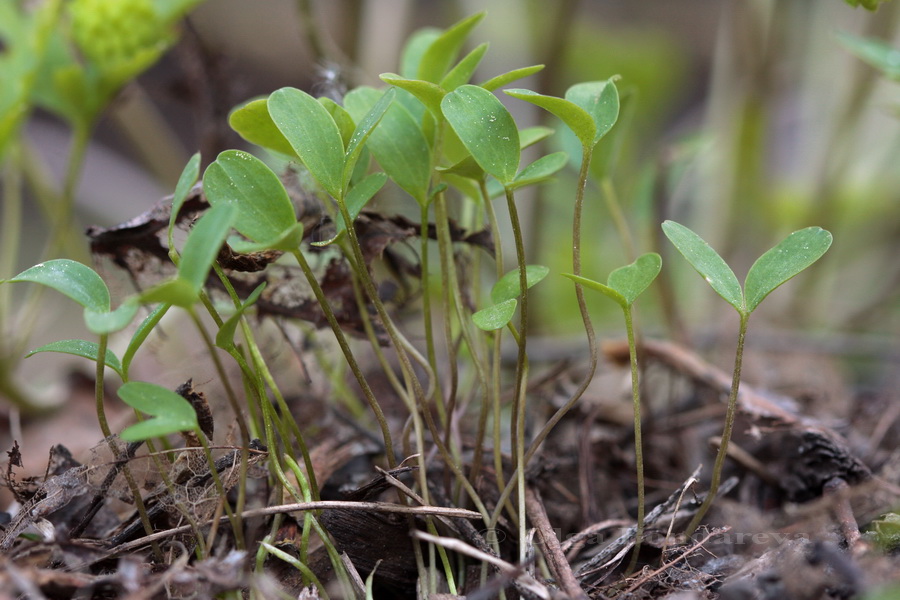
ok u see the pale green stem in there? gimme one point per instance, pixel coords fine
(452, 290)
(9, 255)
(519, 401)
(618, 217)
(99, 392)
(448, 285)
(234, 516)
(726, 432)
(386, 368)
(638, 444)
(497, 346)
(587, 153)
(426, 307)
(63, 226)
(263, 369)
(402, 354)
(348, 353)
(107, 434)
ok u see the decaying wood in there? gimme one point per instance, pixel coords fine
(616, 550)
(550, 546)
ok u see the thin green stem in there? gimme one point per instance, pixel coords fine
(63, 225)
(245, 435)
(99, 392)
(726, 432)
(348, 353)
(587, 153)
(519, 400)
(9, 256)
(62, 231)
(497, 346)
(638, 444)
(426, 306)
(102, 345)
(618, 217)
(401, 347)
(454, 298)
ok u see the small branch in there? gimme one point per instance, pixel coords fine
(306, 506)
(838, 489)
(550, 546)
(673, 562)
(522, 579)
(623, 542)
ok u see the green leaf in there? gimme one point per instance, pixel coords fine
(885, 533)
(225, 335)
(364, 129)
(464, 69)
(500, 80)
(203, 244)
(111, 321)
(264, 209)
(467, 168)
(486, 129)
(429, 94)
(441, 53)
(341, 118)
(540, 170)
(626, 283)
(186, 181)
(141, 334)
(495, 316)
(312, 133)
(532, 135)
(174, 291)
(288, 240)
(73, 279)
(359, 196)
(604, 289)
(875, 52)
(171, 412)
(795, 253)
(356, 199)
(508, 286)
(631, 280)
(600, 99)
(707, 262)
(576, 118)
(253, 122)
(415, 48)
(398, 143)
(82, 348)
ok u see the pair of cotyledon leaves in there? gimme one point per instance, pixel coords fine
(791, 256)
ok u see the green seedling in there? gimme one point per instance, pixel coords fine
(171, 413)
(623, 286)
(82, 348)
(504, 296)
(794, 254)
(83, 285)
(875, 52)
(885, 532)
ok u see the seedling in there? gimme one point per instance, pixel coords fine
(794, 254)
(623, 286)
